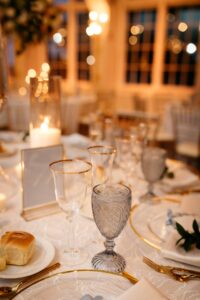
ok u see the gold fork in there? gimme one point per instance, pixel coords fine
(179, 274)
(7, 291)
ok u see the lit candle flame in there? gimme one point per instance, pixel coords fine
(45, 125)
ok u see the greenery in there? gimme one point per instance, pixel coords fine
(167, 173)
(30, 20)
(189, 239)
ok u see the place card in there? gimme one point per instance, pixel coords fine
(37, 181)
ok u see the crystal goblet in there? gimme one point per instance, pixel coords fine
(102, 158)
(71, 180)
(111, 206)
(153, 166)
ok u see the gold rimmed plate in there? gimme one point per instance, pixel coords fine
(143, 217)
(74, 284)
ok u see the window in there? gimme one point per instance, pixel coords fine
(83, 47)
(139, 56)
(57, 50)
(181, 46)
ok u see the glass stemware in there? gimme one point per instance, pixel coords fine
(102, 158)
(153, 166)
(71, 180)
(111, 206)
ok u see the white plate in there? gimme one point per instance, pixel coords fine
(158, 224)
(42, 257)
(74, 285)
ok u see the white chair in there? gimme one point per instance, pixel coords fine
(186, 122)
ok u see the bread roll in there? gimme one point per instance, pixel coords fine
(2, 259)
(18, 246)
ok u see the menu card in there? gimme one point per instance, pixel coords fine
(37, 181)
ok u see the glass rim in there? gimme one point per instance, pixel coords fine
(52, 165)
(94, 189)
(110, 149)
(155, 149)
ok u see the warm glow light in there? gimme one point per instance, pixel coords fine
(93, 15)
(97, 29)
(27, 79)
(90, 60)
(191, 48)
(44, 75)
(175, 45)
(45, 125)
(89, 31)
(137, 29)
(22, 91)
(182, 26)
(45, 67)
(31, 73)
(133, 40)
(57, 37)
(103, 17)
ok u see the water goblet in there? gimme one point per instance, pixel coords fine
(153, 166)
(71, 180)
(111, 206)
(102, 158)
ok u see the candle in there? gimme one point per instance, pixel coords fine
(2, 201)
(44, 135)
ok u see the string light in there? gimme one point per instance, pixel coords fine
(191, 48)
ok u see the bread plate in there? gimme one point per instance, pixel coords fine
(42, 257)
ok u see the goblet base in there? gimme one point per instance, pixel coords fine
(148, 197)
(109, 261)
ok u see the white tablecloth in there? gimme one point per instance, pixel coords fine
(128, 244)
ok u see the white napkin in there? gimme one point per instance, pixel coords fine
(143, 290)
(172, 251)
(191, 204)
(182, 178)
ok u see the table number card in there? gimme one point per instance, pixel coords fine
(37, 182)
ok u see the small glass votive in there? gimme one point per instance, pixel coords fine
(45, 112)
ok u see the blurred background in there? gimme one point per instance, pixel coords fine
(123, 61)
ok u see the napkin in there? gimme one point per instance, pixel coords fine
(172, 251)
(182, 178)
(191, 204)
(143, 290)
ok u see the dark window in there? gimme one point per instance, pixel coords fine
(83, 47)
(57, 50)
(181, 45)
(140, 42)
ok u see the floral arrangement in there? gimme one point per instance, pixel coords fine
(30, 20)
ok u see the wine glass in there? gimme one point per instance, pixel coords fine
(153, 166)
(71, 180)
(102, 158)
(111, 206)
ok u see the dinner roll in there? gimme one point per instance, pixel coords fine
(2, 259)
(18, 246)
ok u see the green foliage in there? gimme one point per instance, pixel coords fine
(189, 238)
(30, 20)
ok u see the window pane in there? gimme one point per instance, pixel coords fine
(57, 50)
(181, 46)
(83, 47)
(140, 41)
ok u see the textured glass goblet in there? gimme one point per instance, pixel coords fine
(153, 165)
(102, 158)
(71, 180)
(111, 206)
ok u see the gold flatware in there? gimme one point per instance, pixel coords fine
(130, 277)
(7, 291)
(185, 191)
(179, 274)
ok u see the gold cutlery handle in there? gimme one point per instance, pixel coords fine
(35, 276)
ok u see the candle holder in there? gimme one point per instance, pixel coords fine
(45, 112)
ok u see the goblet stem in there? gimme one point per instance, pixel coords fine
(109, 245)
(150, 189)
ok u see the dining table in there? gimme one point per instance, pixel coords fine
(135, 242)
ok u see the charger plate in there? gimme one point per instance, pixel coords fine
(74, 284)
(141, 215)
